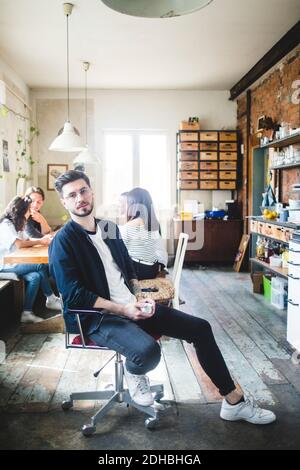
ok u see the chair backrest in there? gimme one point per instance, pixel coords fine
(179, 258)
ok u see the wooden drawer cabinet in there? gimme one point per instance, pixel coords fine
(190, 156)
(188, 166)
(227, 185)
(208, 135)
(204, 184)
(227, 136)
(208, 155)
(228, 146)
(188, 146)
(207, 160)
(188, 136)
(208, 146)
(223, 165)
(208, 165)
(227, 175)
(188, 184)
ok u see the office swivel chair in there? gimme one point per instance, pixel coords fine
(118, 395)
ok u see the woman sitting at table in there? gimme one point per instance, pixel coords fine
(141, 234)
(12, 236)
(36, 225)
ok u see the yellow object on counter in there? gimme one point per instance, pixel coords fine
(186, 215)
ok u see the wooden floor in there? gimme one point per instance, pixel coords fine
(39, 373)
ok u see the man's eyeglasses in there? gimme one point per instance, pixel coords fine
(83, 192)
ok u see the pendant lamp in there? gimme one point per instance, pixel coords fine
(85, 156)
(156, 8)
(68, 137)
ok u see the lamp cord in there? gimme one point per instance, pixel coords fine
(86, 107)
(68, 71)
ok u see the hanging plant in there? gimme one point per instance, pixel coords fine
(23, 152)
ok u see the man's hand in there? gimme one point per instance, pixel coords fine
(134, 312)
(45, 240)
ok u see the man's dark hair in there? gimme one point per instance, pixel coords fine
(68, 177)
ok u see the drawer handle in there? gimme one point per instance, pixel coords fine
(293, 303)
(293, 277)
(293, 264)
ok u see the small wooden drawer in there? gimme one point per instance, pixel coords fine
(227, 185)
(188, 184)
(188, 156)
(230, 146)
(227, 175)
(223, 165)
(204, 184)
(208, 175)
(228, 155)
(286, 234)
(188, 136)
(227, 136)
(189, 126)
(253, 225)
(208, 165)
(208, 146)
(188, 146)
(260, 227)
(208, 155)
(268, 230)
(188, 166)
(208, 135)
(188, 175)
(277, 232)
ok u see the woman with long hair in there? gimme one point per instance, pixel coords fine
(141, 234)
(36, 225)
(12, 236)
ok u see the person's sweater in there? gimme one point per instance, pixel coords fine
(79, 273)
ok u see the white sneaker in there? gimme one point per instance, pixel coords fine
(246, 410)
(29, 317)
(53, 303)
(139, 388)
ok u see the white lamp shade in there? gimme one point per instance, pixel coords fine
(156, 8)
(67, 141)
(85, 157)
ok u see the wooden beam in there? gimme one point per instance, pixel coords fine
(285, 45)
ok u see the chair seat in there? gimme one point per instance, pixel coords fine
(88, 341)
(164, 285)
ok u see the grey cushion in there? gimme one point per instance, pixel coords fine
(10, 276)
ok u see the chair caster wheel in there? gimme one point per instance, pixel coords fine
(158, 396)
(66, 405)
(150, 423)
(88, 429)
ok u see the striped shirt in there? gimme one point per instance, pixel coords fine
(144, 246)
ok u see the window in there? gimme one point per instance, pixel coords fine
(135, 158)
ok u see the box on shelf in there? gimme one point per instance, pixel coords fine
(257, 281)
(267, 286)
(189, 126)
(279, 292)
(279, 283)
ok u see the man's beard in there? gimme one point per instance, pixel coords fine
(85, 214)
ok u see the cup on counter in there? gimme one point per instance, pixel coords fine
(283, 215)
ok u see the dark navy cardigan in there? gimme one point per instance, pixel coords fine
(79, 273)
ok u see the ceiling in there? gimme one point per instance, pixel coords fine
(210, 49)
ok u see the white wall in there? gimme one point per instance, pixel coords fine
(128, 109)
(9, 126)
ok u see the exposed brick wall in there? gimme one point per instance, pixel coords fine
(271, 96)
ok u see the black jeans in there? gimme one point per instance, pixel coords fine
(134, 340)
(145, 271)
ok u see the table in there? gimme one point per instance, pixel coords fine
(37, 254)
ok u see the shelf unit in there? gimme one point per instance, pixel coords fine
(283, 272)
(207, 160)
(285, 142)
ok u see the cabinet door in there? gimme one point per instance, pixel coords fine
(293, 324)
(188, 136)
(210, 146)
(227, 185)
(188, 166)
(230, 146)
(187, 184)
(228, 156)
(223, 165)
(208, 175)
(208, 156)
(207, 135)
(208, 165)
(227, 175)
(227, 136)
(188, 175)
(188, 156)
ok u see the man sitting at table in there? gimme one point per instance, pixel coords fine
(92, 269)
(12, 236)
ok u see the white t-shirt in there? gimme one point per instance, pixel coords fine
(119, 292)
(8, 236)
